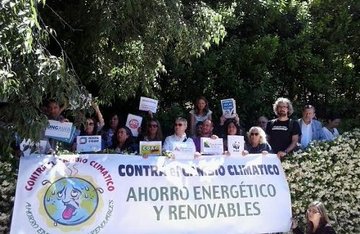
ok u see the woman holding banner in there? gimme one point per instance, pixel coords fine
(123, 141)
(317, 220)
(256, 143)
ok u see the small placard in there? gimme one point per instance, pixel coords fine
(148, 104)
(228, 107)
(88, 144)
(235, 144)
(150, 148)
(211, 146)
(134, 122)
(59, 130)
(183, 150)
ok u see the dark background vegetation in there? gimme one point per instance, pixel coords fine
(175, 51)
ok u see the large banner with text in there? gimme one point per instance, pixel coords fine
(107, 193)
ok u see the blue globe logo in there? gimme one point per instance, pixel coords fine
(71, 201)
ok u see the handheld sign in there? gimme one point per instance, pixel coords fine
(150, 148)
(228, 107)
(88, 144)
(211, 146)
(61, 131)
(235, 145)
(183, 150)
(133, 122)
(148, 104)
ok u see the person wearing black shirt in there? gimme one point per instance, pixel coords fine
(283, 133)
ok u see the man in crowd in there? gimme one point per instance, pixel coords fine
(179, 139)
(207, 128)
(283, 133)
(311, 129)
(262, 122)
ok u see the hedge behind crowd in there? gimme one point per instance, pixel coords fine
(327, 171)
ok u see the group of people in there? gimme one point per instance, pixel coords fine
(281, 135)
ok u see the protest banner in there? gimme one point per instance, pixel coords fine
(148, 104)
(228, 107)
(102, 193)
(88, 144)
(134, 123)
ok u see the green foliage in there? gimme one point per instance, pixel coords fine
(29, 73)
(175, 51)
(328, 171)
(124, 42)
(8, 175)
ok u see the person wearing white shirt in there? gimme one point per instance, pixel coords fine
(330, 130)
(311, 129)
(179, 141)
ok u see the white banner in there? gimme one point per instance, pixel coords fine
(128, 194)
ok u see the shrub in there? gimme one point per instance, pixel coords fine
(329, 172)
(8, 176)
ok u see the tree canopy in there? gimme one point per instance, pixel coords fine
(253, 51)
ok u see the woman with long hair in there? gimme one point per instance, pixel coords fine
(153, 131)
(256, 143)
(123, 142)
(317, 220)
(200, 112)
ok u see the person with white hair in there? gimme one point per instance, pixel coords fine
(283, 133)
(256, 143)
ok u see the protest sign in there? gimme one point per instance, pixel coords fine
(215, 194)
(61, 131)
(150, 148)
(228, 107)
(235, 145)
(88, 144)
(148, 104)
(211, 146)
(134, 123)
(183, 150)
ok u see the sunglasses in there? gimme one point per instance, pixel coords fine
(254, 134)
(178, 124)
(90, 124)
(152, 125)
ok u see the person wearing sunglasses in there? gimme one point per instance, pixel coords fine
(317, 220)
(153, 131)
(256, 143)
(179, 136)
(92, 125)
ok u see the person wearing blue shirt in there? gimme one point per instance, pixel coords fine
(311, 129)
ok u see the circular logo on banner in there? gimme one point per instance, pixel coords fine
(133, 123)
(71, 200)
